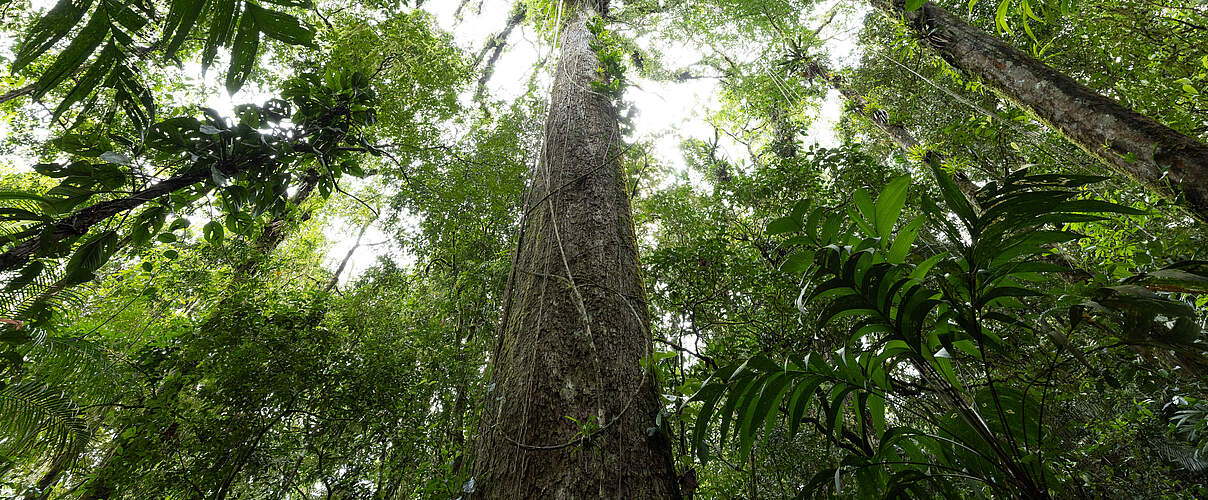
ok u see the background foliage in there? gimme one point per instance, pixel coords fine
(831, 317)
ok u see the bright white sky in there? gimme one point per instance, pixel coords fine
(667, 112)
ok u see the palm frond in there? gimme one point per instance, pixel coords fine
(1188, 457)
(29, 295)
(61, 360)
(34, 415)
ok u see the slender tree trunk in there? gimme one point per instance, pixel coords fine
(899, 135)
(335, 277)
(18, 92)
(570, 412)
(277, 229)
(895, 132)
(60, 464)
(79, 222)
(496, 43)
(1167, 162)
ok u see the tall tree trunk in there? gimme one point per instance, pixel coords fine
(1167, 162)
(570, 412)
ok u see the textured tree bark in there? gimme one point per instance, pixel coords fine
(1167, 162)
(575, 325)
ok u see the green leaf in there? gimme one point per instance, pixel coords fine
(35, 411)
(303, 4)
(703, 418)
(834, 415)
(217, 176)
(952, 194)
(784, 225)
(125, 16)
(801, 208)
(769, 404)
(89, 257)
(91, 79)
(821, 479)
(26, 276)
(243, 51)
(738, 394)
(912, 5)
(715, 386)
(134, 97)
(353, 168)
(755, 365)
(876, 408)
(1007, 291)
(166, 237)
(1028, 243)
(799, 401)
(830, 228)
(213, 232)
(1098, 206)
(864, 204)
(147, 222)
(834, 287)
(282, 26)
(49, 29)
(75, 55)
(171, 254)
(811, 223)
(921, 271)
(180, 21)
(757, 411)
(649, 363)
(889, 205)
(115, 158)
(900, 248)
(1008, 411)
(222, 20)
(1000, 17)
(798, 262)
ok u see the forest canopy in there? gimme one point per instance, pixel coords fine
(701, 249)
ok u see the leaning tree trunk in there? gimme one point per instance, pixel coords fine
(907, 143)
(895, 132)
(569, 412)
(1167, 162)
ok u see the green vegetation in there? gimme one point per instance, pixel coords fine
(295, 249)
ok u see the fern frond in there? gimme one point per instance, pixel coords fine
(59, 360)
(1188, 457)
(29, 294)
(33, 415)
